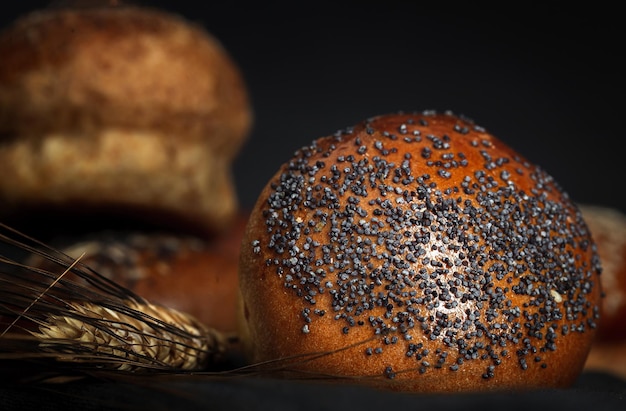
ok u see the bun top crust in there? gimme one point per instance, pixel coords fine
(73, 70)
(419, 251)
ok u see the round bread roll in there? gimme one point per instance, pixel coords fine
(418, 252)
(608, 228)
(194, 275)
(122, 110)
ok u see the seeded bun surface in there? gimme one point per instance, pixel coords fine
(119, 108)
(418, 252)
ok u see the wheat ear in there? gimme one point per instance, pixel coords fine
(132, 337)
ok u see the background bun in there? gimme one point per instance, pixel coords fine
(418, 252)
(120, 109)
(194, 275)
(608, 228)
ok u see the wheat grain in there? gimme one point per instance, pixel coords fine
(132, 337)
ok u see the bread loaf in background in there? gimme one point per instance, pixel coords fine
(608, 228)
(124, 110)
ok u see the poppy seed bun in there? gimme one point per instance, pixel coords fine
(418, 252)
(119, 108)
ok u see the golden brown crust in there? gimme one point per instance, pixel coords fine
(420, 252)
(79, 70)
(147, 108)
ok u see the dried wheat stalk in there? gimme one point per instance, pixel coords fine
(143, 337)
(73, 314)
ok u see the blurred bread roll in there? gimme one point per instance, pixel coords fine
(608, 228)
(194, 275)
(124, 110)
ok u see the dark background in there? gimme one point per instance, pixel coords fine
(548, 79)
